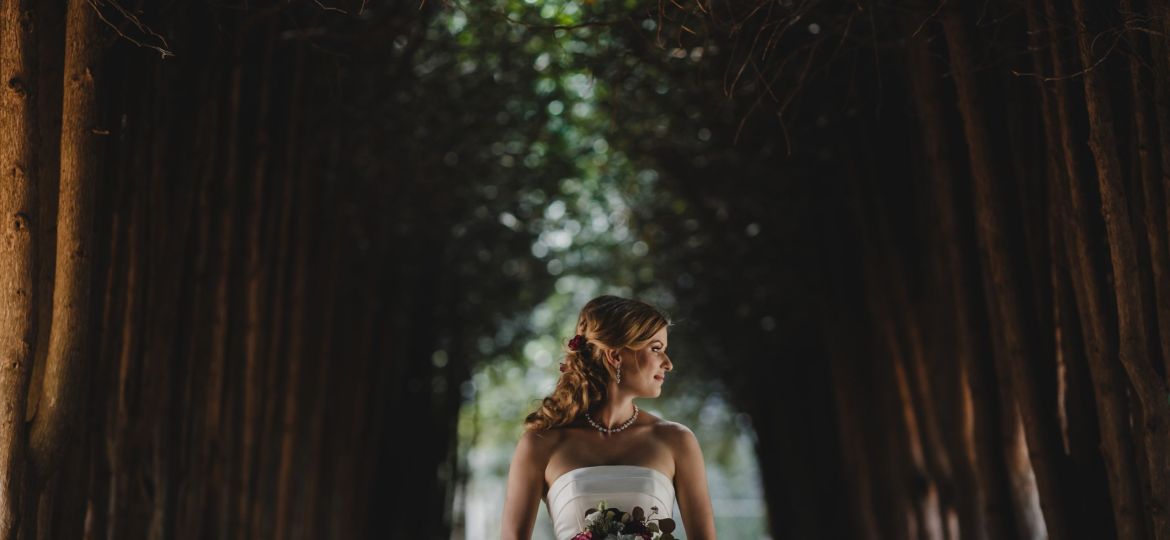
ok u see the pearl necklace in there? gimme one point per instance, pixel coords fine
(607, 431)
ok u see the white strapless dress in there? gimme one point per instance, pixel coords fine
(621, 486)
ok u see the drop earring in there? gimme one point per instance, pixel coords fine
(619, 374)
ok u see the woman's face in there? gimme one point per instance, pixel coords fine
(644, 370)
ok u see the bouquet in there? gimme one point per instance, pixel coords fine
(604, 523)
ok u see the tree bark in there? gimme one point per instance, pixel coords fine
(928, 453)
(297, 201)
(1094, 308)
(50, 27)
(124, 390)
(904, 479)
(257, 267)
(927, 405)
(18, 268)
(1005, 298)
(65, 370)
(115, 263)
(1150, 389)
(217, 437)
(1076, 401)
(973, 433)
(1151, 192)
(193, 495)
(1159, 52)
(849, 418)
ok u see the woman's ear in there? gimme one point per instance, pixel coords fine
(613, 358)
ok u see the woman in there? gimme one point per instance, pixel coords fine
(589, 442)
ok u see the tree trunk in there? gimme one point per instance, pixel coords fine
(50, 27)
(975, 450)
(854, 456)
(314, 522)
(1134, 352)
(297, 202)
(257, 266)
(1160, 52)
(1076, 402)
(54, 427)
(902, 336)
(218, 438)
(903, 478)
(1005, 298)
(1094, 308)
(18, 210)
(1151, 193)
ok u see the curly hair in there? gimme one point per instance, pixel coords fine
(608, 323)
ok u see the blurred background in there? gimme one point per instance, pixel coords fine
(299, 268)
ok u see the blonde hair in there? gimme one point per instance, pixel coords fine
(608, 323)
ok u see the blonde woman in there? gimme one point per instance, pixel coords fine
(590, 442)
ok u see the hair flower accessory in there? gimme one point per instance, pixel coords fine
(576, 343)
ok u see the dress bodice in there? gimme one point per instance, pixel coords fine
(621, 486)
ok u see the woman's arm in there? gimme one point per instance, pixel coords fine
(690, 485)
(525, 484)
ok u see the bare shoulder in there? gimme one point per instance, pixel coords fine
(539, 444)
(682, 446)
(678, 436)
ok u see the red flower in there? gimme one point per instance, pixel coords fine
(584, 536)
(576, 343)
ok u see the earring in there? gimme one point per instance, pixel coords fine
(619, 374)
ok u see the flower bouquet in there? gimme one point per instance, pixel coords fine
(604, 523)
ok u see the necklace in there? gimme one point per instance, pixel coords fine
(624, 425)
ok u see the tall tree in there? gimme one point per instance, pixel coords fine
(1150, 389)
(18, 210)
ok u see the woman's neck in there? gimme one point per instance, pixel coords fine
(614, 412)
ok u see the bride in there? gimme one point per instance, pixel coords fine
(588, 442)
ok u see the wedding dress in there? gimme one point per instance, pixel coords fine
(620, 486)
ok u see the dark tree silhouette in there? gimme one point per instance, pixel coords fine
(252, 251)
